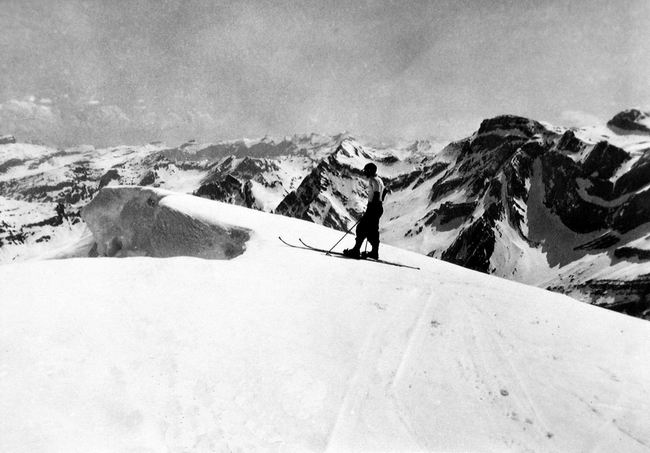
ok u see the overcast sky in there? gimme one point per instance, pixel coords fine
(107, 72)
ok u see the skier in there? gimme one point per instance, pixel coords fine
(368, 227)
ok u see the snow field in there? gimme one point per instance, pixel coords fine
(280, 349)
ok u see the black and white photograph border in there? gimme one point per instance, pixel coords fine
(324, 226)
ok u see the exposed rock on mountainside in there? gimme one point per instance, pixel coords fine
(108, 177)
(5, 139)
(330, 194)
(475, 244)
(570, 143)
(631, 297)
(604, 160)
(631, 121)
(228, 189)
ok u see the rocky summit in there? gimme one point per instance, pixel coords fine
(566, 209)
(631, 121)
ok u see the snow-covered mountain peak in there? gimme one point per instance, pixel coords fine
(349, 147)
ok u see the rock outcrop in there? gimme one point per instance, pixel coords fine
(630, 121)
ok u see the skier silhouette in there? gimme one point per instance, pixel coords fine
(368, 227)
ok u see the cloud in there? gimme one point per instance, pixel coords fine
(578, 118)
(26, 110)
(69, 124)
(27, 118)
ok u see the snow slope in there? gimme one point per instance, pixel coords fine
(281, 349)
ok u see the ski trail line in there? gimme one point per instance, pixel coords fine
(369, 390)
(518, 381)
(394, 399)
(351, 387)
(409, 343)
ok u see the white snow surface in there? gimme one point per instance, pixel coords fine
(282, 349)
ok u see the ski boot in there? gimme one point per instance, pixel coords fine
(373, 254)
(352, 253)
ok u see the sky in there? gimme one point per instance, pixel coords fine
(114, 72)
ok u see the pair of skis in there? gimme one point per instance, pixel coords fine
(306, 246)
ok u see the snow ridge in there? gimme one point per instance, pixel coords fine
(128, 221)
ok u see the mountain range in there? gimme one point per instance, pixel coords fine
(566, 209)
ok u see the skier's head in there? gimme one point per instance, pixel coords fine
(370, 170)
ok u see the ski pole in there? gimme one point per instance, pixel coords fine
(346, 233)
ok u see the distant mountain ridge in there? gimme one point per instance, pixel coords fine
(566, 209)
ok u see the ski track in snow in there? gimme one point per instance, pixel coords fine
(525, 404)
(368, 381)
(410, 345)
